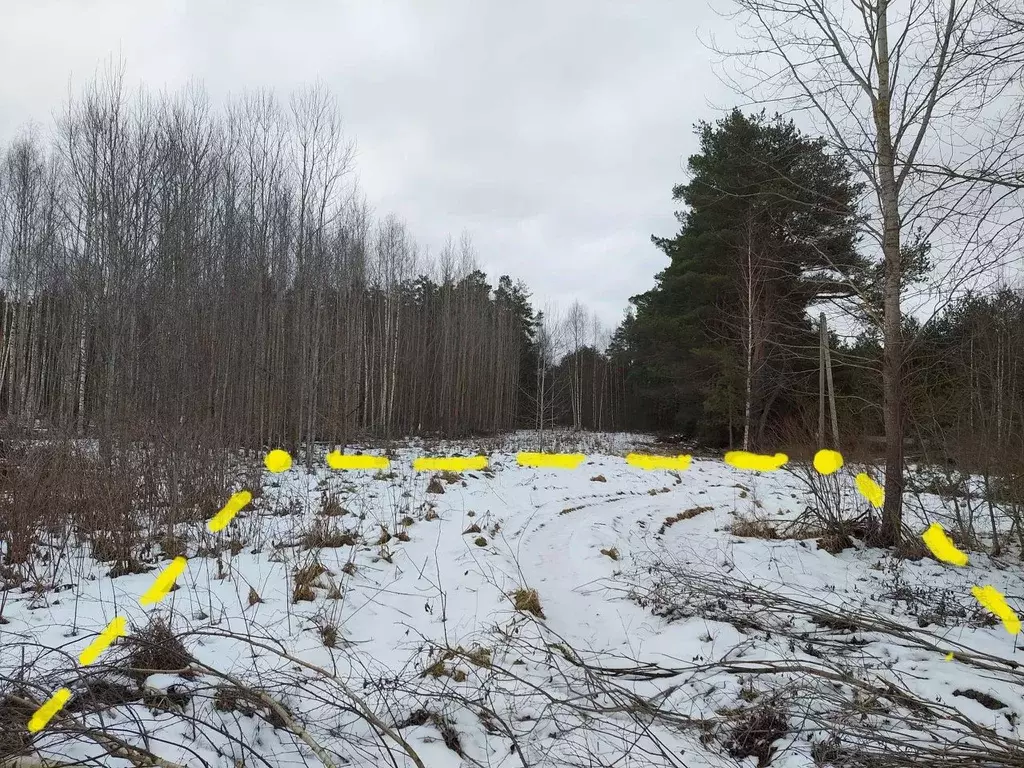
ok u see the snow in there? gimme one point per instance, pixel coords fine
(544, 529)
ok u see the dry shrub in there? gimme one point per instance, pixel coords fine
(474, 528)
(834, 543)
(611, 552)
(755, 733)
(14, 716)
(248, 703)
(51, 487)
(913, 549)
(436, 669)
(155, 648)
(106, 548)
(599, 479)
(827, 752)
(187, 478)
(480, 541)
(528, 601)
(131, 567)
(173, 545)
(435, 485)
(102, 693)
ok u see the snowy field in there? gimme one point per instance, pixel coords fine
(365, 619)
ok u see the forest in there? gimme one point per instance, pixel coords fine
(178, 273)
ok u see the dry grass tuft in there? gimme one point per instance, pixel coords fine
(444, 726)
(323, 535)
(528, 601)
(834, 543)
(305, 578)
(303, 593)
(753, 529)
(686, 514)
(611, 552)
(329, 635)
(330, 506)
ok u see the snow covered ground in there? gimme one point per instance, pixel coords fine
(664, 639)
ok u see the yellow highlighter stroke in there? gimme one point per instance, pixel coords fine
(163, 583)
(452, 464)
(550, 460)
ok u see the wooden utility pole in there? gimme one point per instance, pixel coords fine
(825, 374)
(821, 381)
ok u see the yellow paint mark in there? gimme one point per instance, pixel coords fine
(949, 656)
(993, 599)
(163, 583)
(114, 630)
(338, 460)
(658, 462)
(278, 460)
(453, 464)
(755, 461)
(227, 513)
(827, 461)
(870, 490)
(941, 545)
(556, 460)
(48, 709)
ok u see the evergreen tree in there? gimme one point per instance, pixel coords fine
(720, 347)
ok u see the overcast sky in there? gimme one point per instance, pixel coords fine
(551, 131)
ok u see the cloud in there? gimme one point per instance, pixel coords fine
(551, 132)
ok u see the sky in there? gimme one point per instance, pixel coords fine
(551, 132)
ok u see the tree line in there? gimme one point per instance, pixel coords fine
(172, 271)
